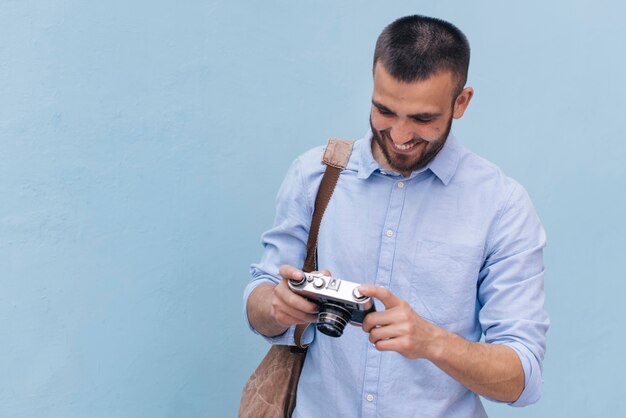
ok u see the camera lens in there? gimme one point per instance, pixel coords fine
(332, 319)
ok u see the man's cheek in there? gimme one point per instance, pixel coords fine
(378, 123)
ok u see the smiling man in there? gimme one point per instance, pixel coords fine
(411, 121)
(450, 248)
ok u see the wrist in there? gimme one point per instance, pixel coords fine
(261, 314)
(440, 343)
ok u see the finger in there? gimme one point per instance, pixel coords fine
(287, 320)
(289, 272)
(290, 308)
(289, 298)
(324, 272)
(290, 316)
(391, 344)
(376, 319)
(296, 311)
(385, 333)
(384, 295)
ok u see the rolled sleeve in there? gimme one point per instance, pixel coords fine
(532, 375)
(511, 290)
(284, 243)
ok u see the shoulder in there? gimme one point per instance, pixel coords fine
(308, 166)
(479, 169)
(311, 166)
(311, 160)
(485, 177)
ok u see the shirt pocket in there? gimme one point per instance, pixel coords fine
(444, 280)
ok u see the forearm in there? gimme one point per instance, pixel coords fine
(491, 370)
(259, 309)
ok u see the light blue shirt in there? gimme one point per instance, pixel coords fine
(458, 240)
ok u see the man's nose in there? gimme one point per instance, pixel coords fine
(401, 132)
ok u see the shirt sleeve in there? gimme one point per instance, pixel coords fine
(511, 289)
(284, 243)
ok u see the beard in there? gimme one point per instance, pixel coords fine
(406, 163)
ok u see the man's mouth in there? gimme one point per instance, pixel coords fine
(406, 146)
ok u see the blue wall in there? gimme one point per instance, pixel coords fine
(142, 143)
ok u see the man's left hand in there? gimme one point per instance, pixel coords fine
(399, 328)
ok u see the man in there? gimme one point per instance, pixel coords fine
(449, 247)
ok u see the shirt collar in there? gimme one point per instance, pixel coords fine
(367, 163)
(443, 165)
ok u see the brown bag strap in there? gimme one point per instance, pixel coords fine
(336, 158)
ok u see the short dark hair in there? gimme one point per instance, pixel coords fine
(414, 48)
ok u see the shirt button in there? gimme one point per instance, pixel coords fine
(400, 184)
(369, 397)
(389, 233)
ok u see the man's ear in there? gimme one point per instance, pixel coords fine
(461, 102)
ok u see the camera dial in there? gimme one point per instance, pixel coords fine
(357, 295)
(297, 282)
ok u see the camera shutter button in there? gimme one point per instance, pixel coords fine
(318, 283)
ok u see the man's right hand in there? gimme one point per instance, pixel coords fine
(288, 308)
(274, 308)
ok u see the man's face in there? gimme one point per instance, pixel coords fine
(411, 121)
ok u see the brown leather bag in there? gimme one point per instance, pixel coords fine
(271, 390)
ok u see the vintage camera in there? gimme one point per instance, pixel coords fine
(339, 301)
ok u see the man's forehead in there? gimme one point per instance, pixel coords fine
(425, 96)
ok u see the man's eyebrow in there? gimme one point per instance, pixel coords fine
(382, 107)
(418, 116)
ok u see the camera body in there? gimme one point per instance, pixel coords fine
(339, 300)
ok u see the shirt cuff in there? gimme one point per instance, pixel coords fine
(287, 337)
(532, 375)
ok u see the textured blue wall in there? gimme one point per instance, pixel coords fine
(142, 143)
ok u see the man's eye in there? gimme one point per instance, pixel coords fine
(384, 112)
(422, 120)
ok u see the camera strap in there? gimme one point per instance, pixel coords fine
(336, 157)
